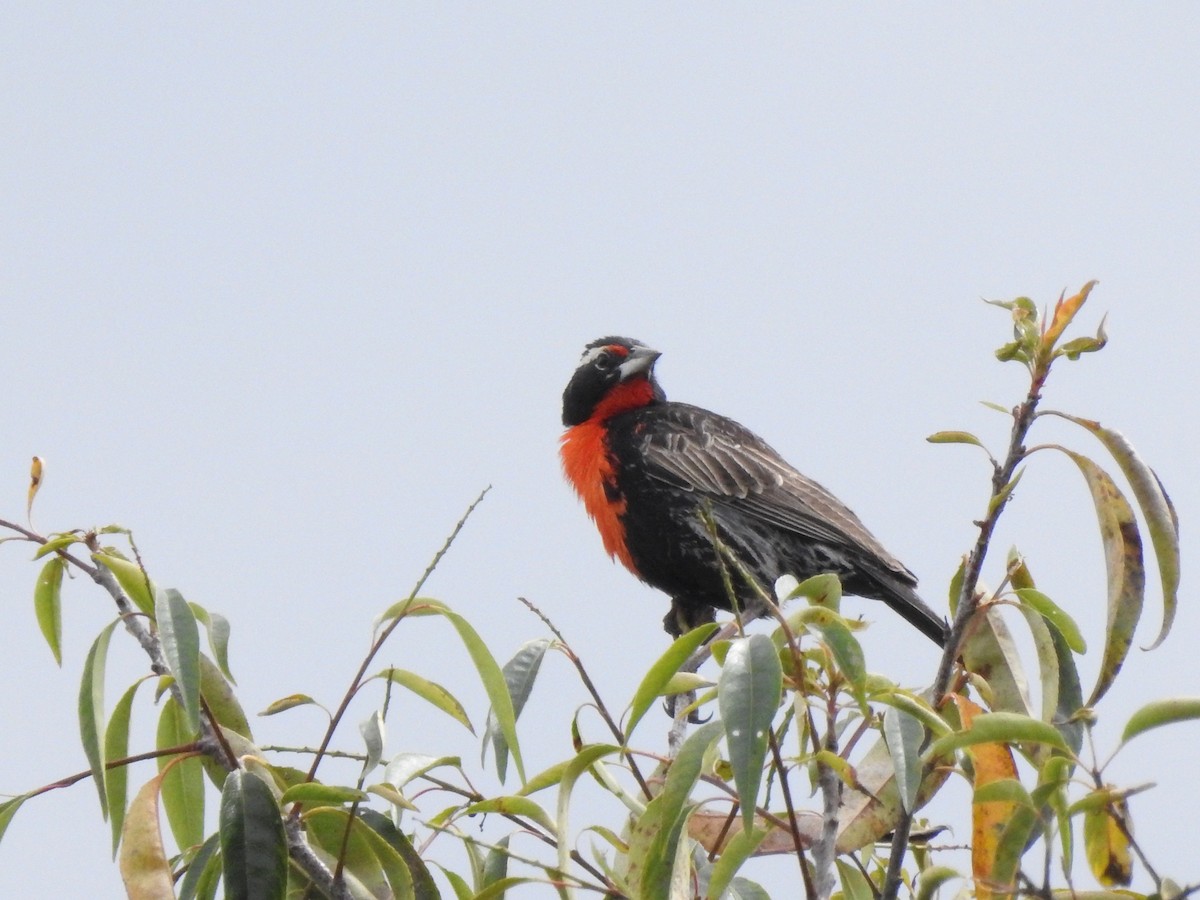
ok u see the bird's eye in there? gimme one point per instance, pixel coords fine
(606, 360)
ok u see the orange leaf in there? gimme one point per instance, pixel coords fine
(992, 762)
(1064, 312)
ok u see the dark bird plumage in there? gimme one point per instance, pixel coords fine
(646, 468)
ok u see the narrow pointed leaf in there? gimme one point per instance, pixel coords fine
(311, 793)
(47, 604)
(1159, 713)
(183, 782)
(739, 849)
(143, 861)
(1107, 847)
(8, 809)
(583, 760)
(954, 437)
(404, 767)
(327, 827)
(1126, 573)
(749, 692)
(58, 542)
(221, 700)
(180, 638)
(116, 746)
(494, 684)
(655, 835)
(422, 885)
(1064, 312)
(371, 729)
(991, 653)
(855, 885)
(253, 843)
(291, 701)
(130, 577)
(999, 727)
(659, 674)
(1156, 507)
(35, 482)
(515, 806)
(1055, 615)
(201, 870)
(218, 630)
(431, 692)
(904, 736)
(91, 709)
(520, 673)
(1062, 695)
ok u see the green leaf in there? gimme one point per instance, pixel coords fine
(493, 684)
(748, 694)
(291, 701)
(997, 727)
(183, 783)
(57, 543)
(1159, 713)
(218, 630)
(221, 700)
(312, 793)
(423, 885)
(143, 861)
(8, 809)
(327, 826)
(1152, 499)
(1126, 573)
(1055, 615)
(655, 835)
(655, 680)
(253, 843)
(904, 736)
(133, 581)
(180, 639)
(917, 708)
(1062, 696)
(91, 709)
(495, 869)
(584, 760)
(47, 604)
(855, 885)
(200, 878)
(739, 849)
(116, 746)
(954, 437)
(520, 672)
(933, 878)
(515, 806)
(824, 590)
(431, 692)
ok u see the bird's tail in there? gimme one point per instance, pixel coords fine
(904, 600)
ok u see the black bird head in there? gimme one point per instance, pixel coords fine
(614, 374)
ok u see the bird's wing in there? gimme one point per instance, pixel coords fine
(709, 454)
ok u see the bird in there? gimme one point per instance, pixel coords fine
(659, 477)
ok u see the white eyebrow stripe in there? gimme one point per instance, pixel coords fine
(592, 355)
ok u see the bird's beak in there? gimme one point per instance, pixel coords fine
(639, 362)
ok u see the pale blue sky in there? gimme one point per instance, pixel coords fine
(283, 288)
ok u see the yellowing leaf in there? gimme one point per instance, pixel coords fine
(993, 763)
(1106, 845)
(143, 861)
(35, 482)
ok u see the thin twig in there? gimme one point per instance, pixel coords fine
(968, 601)
(591, 689)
